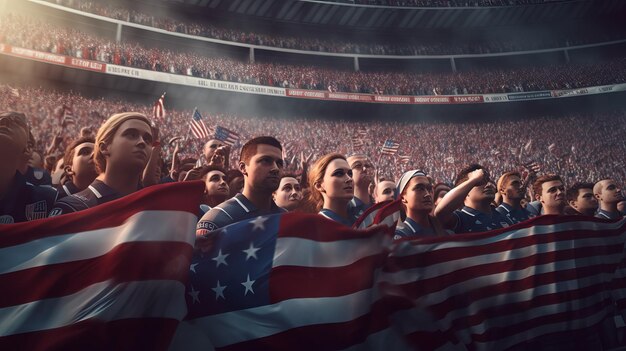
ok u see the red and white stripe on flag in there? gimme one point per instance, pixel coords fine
(548, 278)
(158, 111)
(197, 126)
(111, 277)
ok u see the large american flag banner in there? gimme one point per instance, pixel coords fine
(298, 281)
(109, 278)
(549, 279)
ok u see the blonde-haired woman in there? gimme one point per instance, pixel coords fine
(122, 150)
(332, 188)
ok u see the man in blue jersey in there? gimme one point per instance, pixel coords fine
(20, 201)
(363, 175)
(549, 190)
(609, 195)
(261, 164)
(511, 188)
(474, 193)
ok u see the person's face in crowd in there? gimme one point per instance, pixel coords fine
(264, 168)
(418, 194)
(440, 196)
(337, 182)
(385, 191)
(215, 184)
(512, 188)
(585, 201)
(236, 186)
(35, 160)
(58, 172)
(13, 140)
(82, 161)
(289, 193)
(483, 192)
(609, 192)
(131, 146)
(553, 194)
(362, 170)
(210, 147)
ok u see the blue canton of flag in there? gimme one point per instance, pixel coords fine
(234, 275)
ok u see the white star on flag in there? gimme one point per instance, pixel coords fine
(248, 284)
(259, 223)
(194, 295)
(219, 291)
(193, 267)
(220, 259)
(251, 252)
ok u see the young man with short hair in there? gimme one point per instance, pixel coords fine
(363, 173)
(261, 164)
(609, 195)
(80, 170)
(581, 199)
(472, 189)
(511, 188)
(550, 192)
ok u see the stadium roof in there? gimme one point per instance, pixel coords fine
(398, 18)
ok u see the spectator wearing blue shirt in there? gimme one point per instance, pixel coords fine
(511, 190)
(609, 195)
(474, 193)
(549, 190)
(261, 164)
(20, 200)
(415, 191)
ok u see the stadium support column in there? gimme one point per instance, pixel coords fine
(453, 64)
(356, 64)
(118, 33)
(566, 54)
(251, 55)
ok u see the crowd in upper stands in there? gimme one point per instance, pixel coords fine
(358, 44)
(39, 35)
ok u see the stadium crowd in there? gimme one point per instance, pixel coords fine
(585, 147)
(357, 45)
(38, 35)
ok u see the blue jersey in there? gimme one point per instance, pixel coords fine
(470, 220)
(410, 228)
(332, 215)
(231, 211)
(515, 215)
(96, 194)
(356, 207)
(608, 215)
(38, 176)
(67, 189)
(25, 201)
